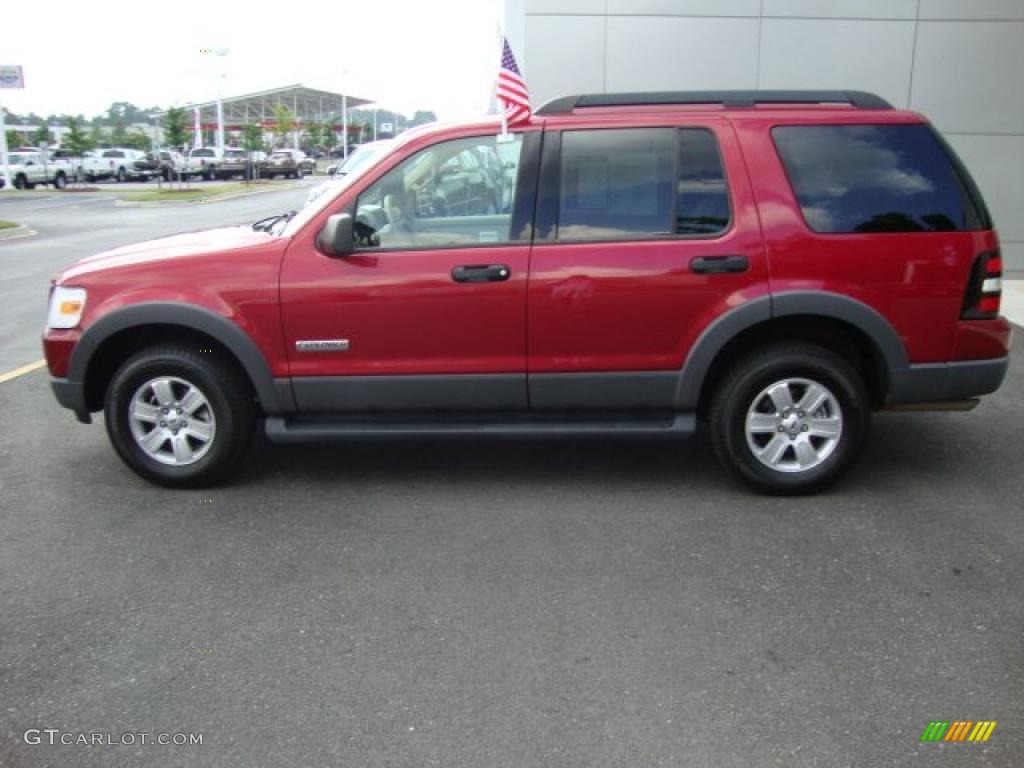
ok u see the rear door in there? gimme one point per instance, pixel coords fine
(645, 235)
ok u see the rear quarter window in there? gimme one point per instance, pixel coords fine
(877, 178)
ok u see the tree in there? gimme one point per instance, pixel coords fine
(96, 134)
(175, 121)
(285, 124)
(252, 137)
(13, 139)
(40, 136)
(330, 137)
(421, 116)
(78, 142)
(119, 136)
(138, 140)
(315, 133)
(252, 141)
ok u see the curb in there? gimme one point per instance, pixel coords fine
(16, 233)
(216, 199)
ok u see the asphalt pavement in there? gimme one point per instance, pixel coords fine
(494, 604)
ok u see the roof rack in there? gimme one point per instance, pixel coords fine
(737, 99)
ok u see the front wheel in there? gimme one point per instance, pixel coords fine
(179, 417)
(790, 418)
(122, 176)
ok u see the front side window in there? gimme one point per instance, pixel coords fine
(443, 196)
(875, 178)
(639, 183)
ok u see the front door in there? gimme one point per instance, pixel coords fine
(429, 313)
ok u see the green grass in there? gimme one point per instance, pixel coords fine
(7, 224)
(193, 194)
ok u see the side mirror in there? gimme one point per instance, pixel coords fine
(335, 239)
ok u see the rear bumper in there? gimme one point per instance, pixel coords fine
(933, 382)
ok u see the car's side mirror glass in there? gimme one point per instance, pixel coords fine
(335, 239)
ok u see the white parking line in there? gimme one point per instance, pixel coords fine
(22, 371)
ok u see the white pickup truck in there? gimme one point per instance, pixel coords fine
(26, 169)
(119, 164)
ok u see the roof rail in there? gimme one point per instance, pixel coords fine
(737, 99)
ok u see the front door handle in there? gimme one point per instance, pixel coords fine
(481, 273)
(712, 265)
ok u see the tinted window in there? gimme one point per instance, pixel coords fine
(630, 183)
(616, 183)
(702, 202)
(113, 153)
(875, 178)
(441, 197)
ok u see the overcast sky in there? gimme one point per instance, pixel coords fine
(408, 54)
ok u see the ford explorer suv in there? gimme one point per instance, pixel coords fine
(777, 265)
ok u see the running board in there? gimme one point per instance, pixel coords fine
(308, 429)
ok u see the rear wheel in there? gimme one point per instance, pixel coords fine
(122, 175)
(791, 418)
(21, 182)
(178, 417)
(60, 181)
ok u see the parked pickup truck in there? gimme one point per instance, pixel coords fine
(119, 164)
(204, 161)
(26, 169)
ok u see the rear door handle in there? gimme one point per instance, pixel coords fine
(481, 273)
(711, 265)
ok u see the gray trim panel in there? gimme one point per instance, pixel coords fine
(629, 390)
(300, 430)
(414, 392)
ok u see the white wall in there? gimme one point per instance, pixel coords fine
(957, 61)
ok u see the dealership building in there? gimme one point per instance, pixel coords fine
(957, 61)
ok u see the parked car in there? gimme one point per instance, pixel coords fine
(290, 163)
(361, 155)
(777, 265)
(119, 164)
(172, 164)
(29, 168)
(242, 163)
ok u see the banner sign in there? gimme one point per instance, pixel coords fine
(11, 76)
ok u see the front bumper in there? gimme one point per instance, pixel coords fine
(71, 394)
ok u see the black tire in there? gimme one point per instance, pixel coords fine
(122, 176)
(21, 182)
(228, 396)
(60, 181)
(298, 173)
(742, 388)
(90, 178)
(209, 173)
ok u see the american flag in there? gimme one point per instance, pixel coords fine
(512, 91)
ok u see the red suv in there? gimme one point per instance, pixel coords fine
(777, 264)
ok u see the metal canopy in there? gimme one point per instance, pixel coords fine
(306, 104)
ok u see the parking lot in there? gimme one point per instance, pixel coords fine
(494, 604)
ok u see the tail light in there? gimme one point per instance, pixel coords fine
(985, 288)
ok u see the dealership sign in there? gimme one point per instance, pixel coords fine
(11, 76)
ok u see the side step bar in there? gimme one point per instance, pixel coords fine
(307, 429)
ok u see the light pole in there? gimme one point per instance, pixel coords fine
(220, 53)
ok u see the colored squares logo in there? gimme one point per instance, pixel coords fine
(958, 730)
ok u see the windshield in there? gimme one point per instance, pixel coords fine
(364, 155)
(324, 195)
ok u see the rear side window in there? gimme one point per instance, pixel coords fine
(638, 183)
(876, 178)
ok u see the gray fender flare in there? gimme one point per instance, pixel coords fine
(764, 308)
(275, 397)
